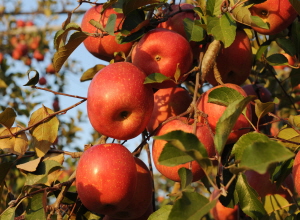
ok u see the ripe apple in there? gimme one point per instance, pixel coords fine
(278, 13)
(119, 105)
(153, 55)
(234, 62)
(102, 47)
(296, 173)
(1, 57)
(202, 132)
(168, 102)
(264, 95)
(29, 23)
(34, 42)
(262, 184)
(50, 69)
(20, 23)
(215, 111)
(220, 212)
(55, 104)
(38, 55)
(42, 81)
(291, 61)
(106, 178)
(142, 196)
(20, 50)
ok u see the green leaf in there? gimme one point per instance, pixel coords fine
(256, 152)
(61, 34)
(276, 206)
(96, 24)
(223, 29)
(35, 209)
(7, 117)
(156, 78)
(294, 120)
(224, 96)
(40, 176)
(291, 135)
(186, 177)
(262, 109)
(43, 134)
(262, 49)
(34, 80)
(287, 45)
(131, 5)
(295, 77)
(213, 7)
(248, 199)
(4, 167)
(242, 15)
(161, 214)
(231, 199)
(9, 213)
(193, 32)
(277, 59)
(172, 156)
(227, 121)
(65, 51)
(195, 206)
(110, 25)
(90, 73)
(84, 214)
(190, 144)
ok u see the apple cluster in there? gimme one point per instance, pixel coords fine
(121, 106)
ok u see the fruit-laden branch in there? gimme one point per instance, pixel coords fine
(33, 153)
(43, 120)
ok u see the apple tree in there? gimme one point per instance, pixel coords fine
(210, 87)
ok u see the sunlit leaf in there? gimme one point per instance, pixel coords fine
(9, 213)
(17, 144)
(156, 78)
(291, 135)
(65, 51)
(90, 73)
(193, 32)
(61, 35)
(3, 85)
(7, 117)
(45, 133)
(55, 174)
(35, 209)
(262, 109)
(186, 177)
(30, 166)
(262, 49)
(213, 7)
(110, 25)
(224, 96)
(276, 206)
(161, 214)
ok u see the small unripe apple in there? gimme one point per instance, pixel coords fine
(215, 111)
(102, 47)
(119, 104)
(168, 102)
(153, 55)
(42, 81)
(142, 197)
(234, 62)
(106, 178)
(278, 13)
(202, 132)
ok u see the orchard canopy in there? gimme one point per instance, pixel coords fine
(149, 109)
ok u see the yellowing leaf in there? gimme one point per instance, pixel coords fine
(55, 174)
(30, 166)
(43, 134)
(7, 117)
(3, 85)
(16, 145)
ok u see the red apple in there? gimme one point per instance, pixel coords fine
(234, 62)
(27, 61)
(175, 23)
(1, 57)
(38, 55)
(220, 212)
(102, 47)
(296, 173)
(262, 184)
(264, 95)
(142, 196)
(119, 105)
(203, 133)
(215, 111)
(50, 69)
(106, 178)
(153, 55)
(168, 102)
(278, 13)
(29, 23)
(34, 42)
(42, 81)
(291, 61)
(55, 104)
(20, 50)
(20, 23)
